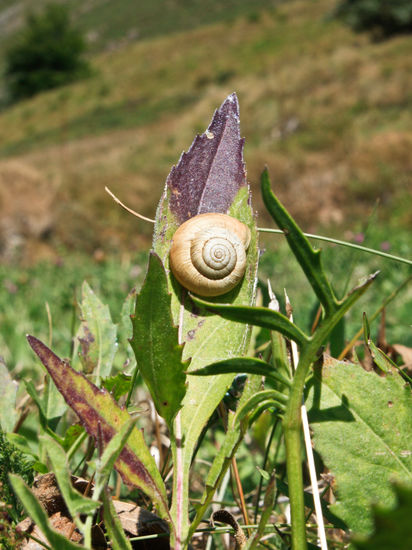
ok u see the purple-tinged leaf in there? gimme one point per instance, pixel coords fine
(103, 417)
(209, 176)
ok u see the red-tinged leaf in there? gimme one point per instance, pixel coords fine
(102, 416)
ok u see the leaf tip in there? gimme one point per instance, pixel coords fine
(34, 342)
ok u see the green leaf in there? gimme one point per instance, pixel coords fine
(72, 434)
(308, 258)
(38, 401)
(38, 515)
(277, 409)
(117, 385)
(8, 394)
(117, 536)
(258, 316)
(248, 365)
(265, 475)
(362, 429)
(233, 437)
(261, 397)
(155, 343)
(210, 338)
(392, 525)
(97, 335)
(75, 502)
(103, 418)
(20, 441)
(125, 330)
(41, 402)
(54, 404)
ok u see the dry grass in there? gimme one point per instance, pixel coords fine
(328, 111)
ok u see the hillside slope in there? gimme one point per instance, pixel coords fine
(327, 110)
(108, 25)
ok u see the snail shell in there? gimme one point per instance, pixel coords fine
(208, 253)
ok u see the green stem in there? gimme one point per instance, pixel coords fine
(292, 423)
(344, 243)
(180, 502)
(132, 385)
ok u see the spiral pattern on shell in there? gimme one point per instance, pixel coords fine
(208, 253)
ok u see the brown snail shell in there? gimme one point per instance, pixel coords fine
(208, 253)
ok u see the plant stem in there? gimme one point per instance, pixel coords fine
(180, 502)
(344, 243)
(295, 482)
(292, 425)
(240, 492)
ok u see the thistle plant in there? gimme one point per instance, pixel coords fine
(176, 339)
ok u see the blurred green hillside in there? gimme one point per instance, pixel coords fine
(329, 112)
(109, 25)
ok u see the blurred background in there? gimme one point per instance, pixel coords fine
(97, 93)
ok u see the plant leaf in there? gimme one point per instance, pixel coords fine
(54, 404)
(248, 365)
(20, 441)
(38, 401)
(308, 258)
(8, 394)
(392, 525)
(258, 398)
(117, 385)
(76, 502)
(155, 343)
(263, 406)
(233, 437)
(362, 429)
(125, 330)
(38, 515)
(258, 316)
(117, 536)
(97, 335)
(102, 417)
(209, 176)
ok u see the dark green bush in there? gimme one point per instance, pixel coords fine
(47, 53)
(383, 17)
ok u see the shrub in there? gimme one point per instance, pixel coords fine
(47, 53)
(384, 17)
